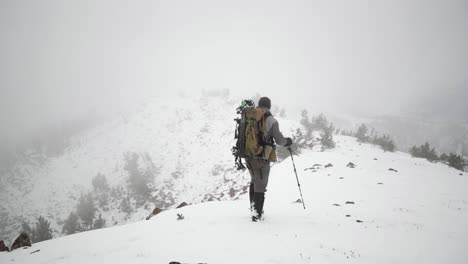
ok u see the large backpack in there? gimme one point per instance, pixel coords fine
(250, 133)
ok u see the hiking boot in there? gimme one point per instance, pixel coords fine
(258, 201)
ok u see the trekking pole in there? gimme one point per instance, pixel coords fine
(297, 178)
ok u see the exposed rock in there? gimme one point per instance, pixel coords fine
(182, 205)
(376, 159)
(35, 251)
(341, 178)
(3, 247)
(298, 201)
(461, 174)
(22, 241)
(328, 165)
(155, 212)
(392, 169)
(348, 215)
(380, 183)
(313, 168)
(351, 165)
(359, 221)
(350, 202)
(232, 192)
(336, 205)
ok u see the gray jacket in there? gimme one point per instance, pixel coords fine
(272, 131)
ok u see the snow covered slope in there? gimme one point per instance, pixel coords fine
(183, 145)
(415, 213)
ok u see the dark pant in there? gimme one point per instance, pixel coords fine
(259, 170)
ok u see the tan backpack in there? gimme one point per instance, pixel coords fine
(250, 135)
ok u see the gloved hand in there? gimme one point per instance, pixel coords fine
(288, 142)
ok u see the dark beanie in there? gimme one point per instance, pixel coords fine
(264, 102)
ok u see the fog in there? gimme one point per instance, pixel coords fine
(62, 59)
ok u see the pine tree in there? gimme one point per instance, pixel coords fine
(319, 122)
(361, 133)
(72, 224)
(305, 122)
(86, 210)
(100, 183)
(138, 181)
(444, 157)
(326, 137)
(41, 231)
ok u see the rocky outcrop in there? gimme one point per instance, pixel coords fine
(155, 212)
(3, 248)
(23, 240)
(183, 204)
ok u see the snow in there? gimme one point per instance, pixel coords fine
(176, 133)
(417, 215)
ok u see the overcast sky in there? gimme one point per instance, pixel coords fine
(61, 58)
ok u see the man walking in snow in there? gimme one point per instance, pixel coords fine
(259, 169)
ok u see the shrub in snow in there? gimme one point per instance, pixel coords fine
(99, 222)
(456, 161)
(424, 151)
(385, 142)
(180, 216)
(125, 205)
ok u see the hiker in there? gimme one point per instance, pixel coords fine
(259, 168)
